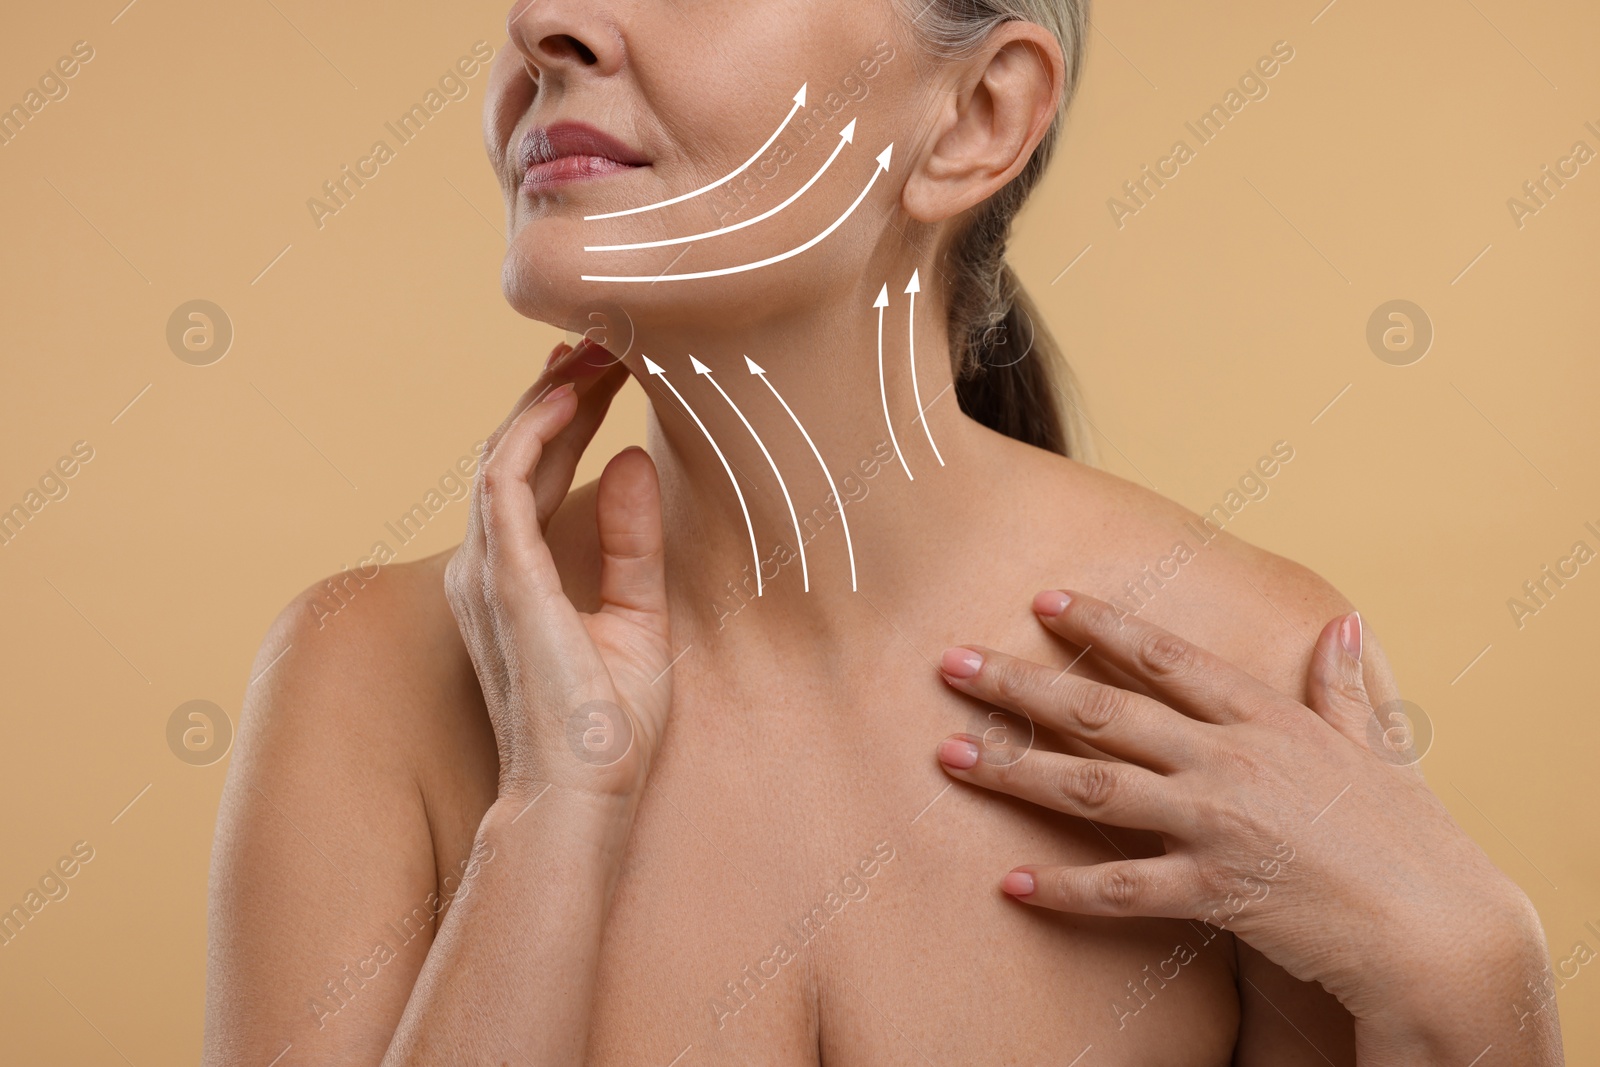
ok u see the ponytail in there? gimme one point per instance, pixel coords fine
(1009, 372)
(1013, 380)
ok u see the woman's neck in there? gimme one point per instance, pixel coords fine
(906, 481)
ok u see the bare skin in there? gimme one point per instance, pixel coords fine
(759, 801)
(377, 745)
(776, 868)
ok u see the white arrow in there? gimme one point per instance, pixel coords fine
(913, 288)
(651, 366)
(799, 538)
(881, 303)
(799, 102)
(846, 136)
(755, 369)
(883, 165)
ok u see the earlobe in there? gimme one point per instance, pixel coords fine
(926, 191)
(997, 114)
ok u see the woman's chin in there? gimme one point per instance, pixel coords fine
(543, 278)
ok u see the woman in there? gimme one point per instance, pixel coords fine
(716, 760)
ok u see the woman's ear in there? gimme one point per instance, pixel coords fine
(984, 135)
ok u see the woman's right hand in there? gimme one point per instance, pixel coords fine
(577, 699)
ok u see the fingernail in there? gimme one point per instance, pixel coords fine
(570, 354)
(1051, 602)
(1018, 884)
(1350, 635)
(959, 753)
(592, 359)
(556, 353)
(558, 393)
(960, 662)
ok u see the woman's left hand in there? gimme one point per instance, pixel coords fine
(1281, 824)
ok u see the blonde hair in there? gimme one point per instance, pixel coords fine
(1020, 396)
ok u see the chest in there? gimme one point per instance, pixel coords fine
(805, 885)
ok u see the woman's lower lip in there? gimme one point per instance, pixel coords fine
(569, 169)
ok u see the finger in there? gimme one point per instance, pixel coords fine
(1113, 720)
(527, 583)
(565, 364)
(1184, 675)
(473, 541)
(1336, 689)
(514, 540)
(596, 386)
(588, 371)
(531, 395)
(633, 578)
(1161, 886)
(1119, 794)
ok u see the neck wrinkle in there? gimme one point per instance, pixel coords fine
(833, 390)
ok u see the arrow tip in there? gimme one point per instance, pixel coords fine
(800, 97)
(755, 368)
(915, 285)
(849, 132)
(699, 368)
(883, 297)
(883, 160)
(652, 366)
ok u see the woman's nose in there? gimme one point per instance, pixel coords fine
(559, 37)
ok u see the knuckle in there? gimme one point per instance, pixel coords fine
(1012, 681)
(494, 478)
(1100, 706)
(499, 472)
(1227, 817)
(1091, 783)
(1212, 886)
(1120, 888)
(1066, 885)
(1095, 616)
(1350, 691)
(1162, 653)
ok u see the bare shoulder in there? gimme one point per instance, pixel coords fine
(1190, 573)
(379, 644)
(370, 632)
(362, 686)
(367, 669)
(362, 766)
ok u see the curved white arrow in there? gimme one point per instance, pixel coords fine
(913, 288)
(846, 136)
(881, 303)
(651, 366)
(883, 165)
(799, 102)
(799, 539)
(755, 369)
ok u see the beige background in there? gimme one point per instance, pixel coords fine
(1226, 315)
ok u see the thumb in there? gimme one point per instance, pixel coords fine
(1336, 690)
(633, 580)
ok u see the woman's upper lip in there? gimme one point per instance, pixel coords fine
(544, 144)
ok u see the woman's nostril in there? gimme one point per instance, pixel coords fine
(565, 46)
